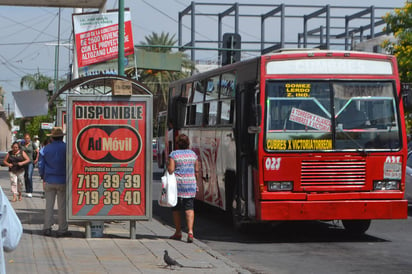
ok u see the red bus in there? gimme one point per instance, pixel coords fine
(298, 135)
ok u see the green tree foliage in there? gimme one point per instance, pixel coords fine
(400, 23)
(158, 80)
(35, 81)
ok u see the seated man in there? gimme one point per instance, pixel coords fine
(352, 118)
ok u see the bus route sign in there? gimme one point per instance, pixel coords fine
(108, 149)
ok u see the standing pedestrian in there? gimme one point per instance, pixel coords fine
(184, 163)
(33, 152)
(16, 159)
(52, 169)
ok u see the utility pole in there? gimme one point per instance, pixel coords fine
(57, 55)
(120, 57)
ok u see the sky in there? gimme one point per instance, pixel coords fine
(29, 34)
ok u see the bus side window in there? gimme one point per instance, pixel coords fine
(226, 112)
(198, 114)
(213, 109)
(191, 115)
(199, 91)
(187, 121)
(227, 85)
(225, 108)
(212, 88)
(206, 108)
(188, 92)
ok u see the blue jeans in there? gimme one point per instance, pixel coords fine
(28, 177)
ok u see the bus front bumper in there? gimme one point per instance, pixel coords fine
(333, 210)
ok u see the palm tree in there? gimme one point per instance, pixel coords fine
(158, 80)
(163, 40)
(35, 81)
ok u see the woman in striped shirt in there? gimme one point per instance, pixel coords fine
(184, 163)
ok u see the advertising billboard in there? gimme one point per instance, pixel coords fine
(109, 144)
(96, 39)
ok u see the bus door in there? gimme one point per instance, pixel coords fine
(246, 150)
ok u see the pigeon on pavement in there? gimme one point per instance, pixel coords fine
(170, 261)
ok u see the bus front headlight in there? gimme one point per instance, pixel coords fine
(280, 186)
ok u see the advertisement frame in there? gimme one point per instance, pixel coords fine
(146, 153)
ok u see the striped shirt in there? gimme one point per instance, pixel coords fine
(185, 160)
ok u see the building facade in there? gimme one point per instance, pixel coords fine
(5, 131)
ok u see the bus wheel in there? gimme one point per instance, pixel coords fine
(232, 201)
(238, 220)
(235, 215)
(356, 227)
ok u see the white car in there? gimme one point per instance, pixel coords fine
(408, 181)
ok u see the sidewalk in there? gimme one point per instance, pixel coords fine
(115, 252)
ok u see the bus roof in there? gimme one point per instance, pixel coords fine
(289, 53)
(321, 52)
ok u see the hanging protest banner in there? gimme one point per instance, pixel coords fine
(96, 37)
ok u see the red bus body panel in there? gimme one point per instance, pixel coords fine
(332, 210)
(343, 201)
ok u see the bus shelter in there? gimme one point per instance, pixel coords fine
(109, 149)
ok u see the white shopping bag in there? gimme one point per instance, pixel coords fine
(168, 195)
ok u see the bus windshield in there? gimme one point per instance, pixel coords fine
(331, 115)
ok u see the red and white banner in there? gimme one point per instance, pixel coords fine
(309, 119)
(96, 37)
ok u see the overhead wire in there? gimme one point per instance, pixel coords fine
(41, 33)
(25, 26)
(10, 66)
(27, 43)
(17, 58)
